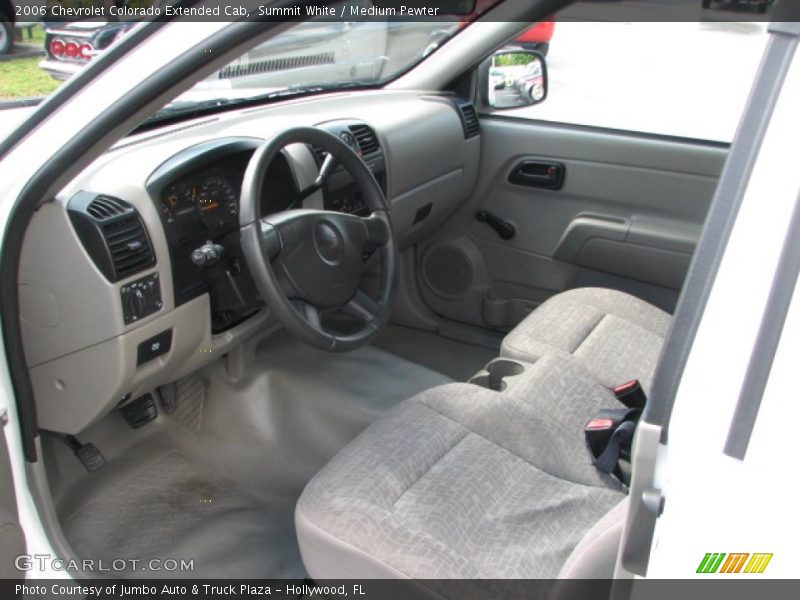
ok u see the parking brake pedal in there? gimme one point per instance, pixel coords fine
(91, 458)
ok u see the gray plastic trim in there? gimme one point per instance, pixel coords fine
(769, 335)
(585, 227)
(785, 27)
(647, 249)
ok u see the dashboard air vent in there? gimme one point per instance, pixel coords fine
(366, 138)
(104, 207)
(128, 244)
(469, 119)
(319, 154)
(113, 233)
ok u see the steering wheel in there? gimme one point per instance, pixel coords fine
(308, 262)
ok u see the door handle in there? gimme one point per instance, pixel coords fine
(543, 174)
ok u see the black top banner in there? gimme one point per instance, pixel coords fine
(403, 10)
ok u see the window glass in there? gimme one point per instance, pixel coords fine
(683, 79)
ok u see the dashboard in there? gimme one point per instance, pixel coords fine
(110, 281)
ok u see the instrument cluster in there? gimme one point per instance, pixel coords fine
(212, 198)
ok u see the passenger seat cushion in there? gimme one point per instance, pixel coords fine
(615, 336)
(427, 493)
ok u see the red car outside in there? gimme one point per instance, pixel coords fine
(537, 37)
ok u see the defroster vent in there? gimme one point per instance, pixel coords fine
(113, 234)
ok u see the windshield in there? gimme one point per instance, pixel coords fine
(316, 54)
(328, 55)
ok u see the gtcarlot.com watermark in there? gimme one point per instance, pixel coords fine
(47, 562)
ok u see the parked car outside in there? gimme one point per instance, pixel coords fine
(537, 37)
(761, 5)
(530, 84)
(497, 78)
(7, 19)
(70, 46)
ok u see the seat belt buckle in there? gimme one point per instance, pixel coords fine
(608, 436)
(599, 429)
(631, 394)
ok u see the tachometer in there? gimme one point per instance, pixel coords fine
(217, 202)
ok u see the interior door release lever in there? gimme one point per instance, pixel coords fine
(534, 173)
(503, 228)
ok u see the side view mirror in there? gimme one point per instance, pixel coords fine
(517, 78)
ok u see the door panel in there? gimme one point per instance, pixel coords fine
(626, 214)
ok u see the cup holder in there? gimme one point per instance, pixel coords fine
(494, 376)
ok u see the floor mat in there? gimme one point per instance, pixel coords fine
(168, 510)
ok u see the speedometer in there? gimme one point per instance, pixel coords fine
(217, 202)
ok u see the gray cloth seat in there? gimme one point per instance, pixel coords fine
(615, 336)
(463, 482)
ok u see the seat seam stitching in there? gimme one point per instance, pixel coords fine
(589, 333)
(625, 317)
(432, 465)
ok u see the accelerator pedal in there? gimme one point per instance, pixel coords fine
(184, 400)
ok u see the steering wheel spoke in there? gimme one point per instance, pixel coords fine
(362, 307)
(308, 311)
(378, 229)
(270, 239)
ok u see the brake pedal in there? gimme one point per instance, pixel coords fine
(89, 455)
(140, 412)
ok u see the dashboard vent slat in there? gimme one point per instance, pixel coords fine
(366, 139)
(319, 154)
(128, 244)
(104, 207)
(113, 233)
(469, 119)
